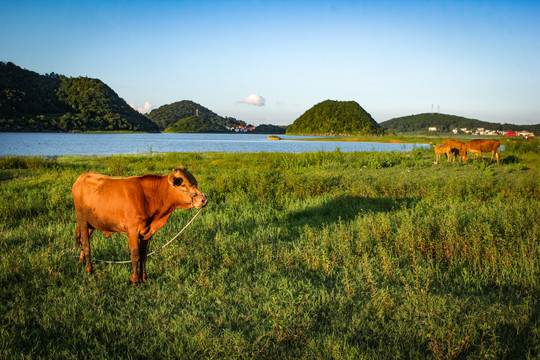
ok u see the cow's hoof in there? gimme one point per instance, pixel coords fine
(134, 280)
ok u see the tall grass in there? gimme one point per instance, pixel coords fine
(521, 147)
(314, 255)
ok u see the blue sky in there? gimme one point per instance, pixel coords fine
(270, 61)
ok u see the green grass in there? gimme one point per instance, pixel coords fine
(314, 255)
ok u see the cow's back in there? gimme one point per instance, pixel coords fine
(441, 149)
(484, 145)
(107, 203)
(453, 144)
(85, 182)
(87, 187)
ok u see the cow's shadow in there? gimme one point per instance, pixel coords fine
(345, 208)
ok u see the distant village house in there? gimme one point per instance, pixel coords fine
(241, 129)
(483, 131)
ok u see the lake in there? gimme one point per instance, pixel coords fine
(58, 144)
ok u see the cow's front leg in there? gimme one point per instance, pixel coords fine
(143, 252)
(133, 240)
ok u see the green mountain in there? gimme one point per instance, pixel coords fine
(335, 118)
(446, 123)
(183, 112)
(33, 102)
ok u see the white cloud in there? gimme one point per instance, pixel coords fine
(253, 99)
(142, 109)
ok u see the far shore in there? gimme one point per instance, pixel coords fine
(401, 139)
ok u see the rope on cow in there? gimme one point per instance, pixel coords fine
(157, 250)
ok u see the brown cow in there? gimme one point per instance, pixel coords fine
(480, 146)
(137, 206)
(457, 148)
(442, 149)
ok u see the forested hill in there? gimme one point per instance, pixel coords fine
(188, 116)
(33, 102)
(335, 118)
(446, 123)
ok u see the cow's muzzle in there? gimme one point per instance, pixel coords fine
(199, 200)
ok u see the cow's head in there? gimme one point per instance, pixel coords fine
(182, 180)
(463, 155)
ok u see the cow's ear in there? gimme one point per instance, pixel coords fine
(170, 178)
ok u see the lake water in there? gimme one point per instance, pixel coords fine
(57, 144)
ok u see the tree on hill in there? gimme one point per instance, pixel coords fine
(335, 118)
(24, 92)
(98, 107)
(169, 114)
(33, 102)
(195, 124)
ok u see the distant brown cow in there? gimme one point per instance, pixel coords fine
(137, 206)
(458, 147)
(480, 146)
(442, 149)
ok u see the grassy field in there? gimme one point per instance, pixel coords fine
(323, 255)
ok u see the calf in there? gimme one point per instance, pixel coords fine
(442, 149)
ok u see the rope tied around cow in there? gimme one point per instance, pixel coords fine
(153, 252)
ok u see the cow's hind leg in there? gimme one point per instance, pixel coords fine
(494, 154)
(81, 257)
(79, 243)
(143, 253)
(133, 239)
(84, 234)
